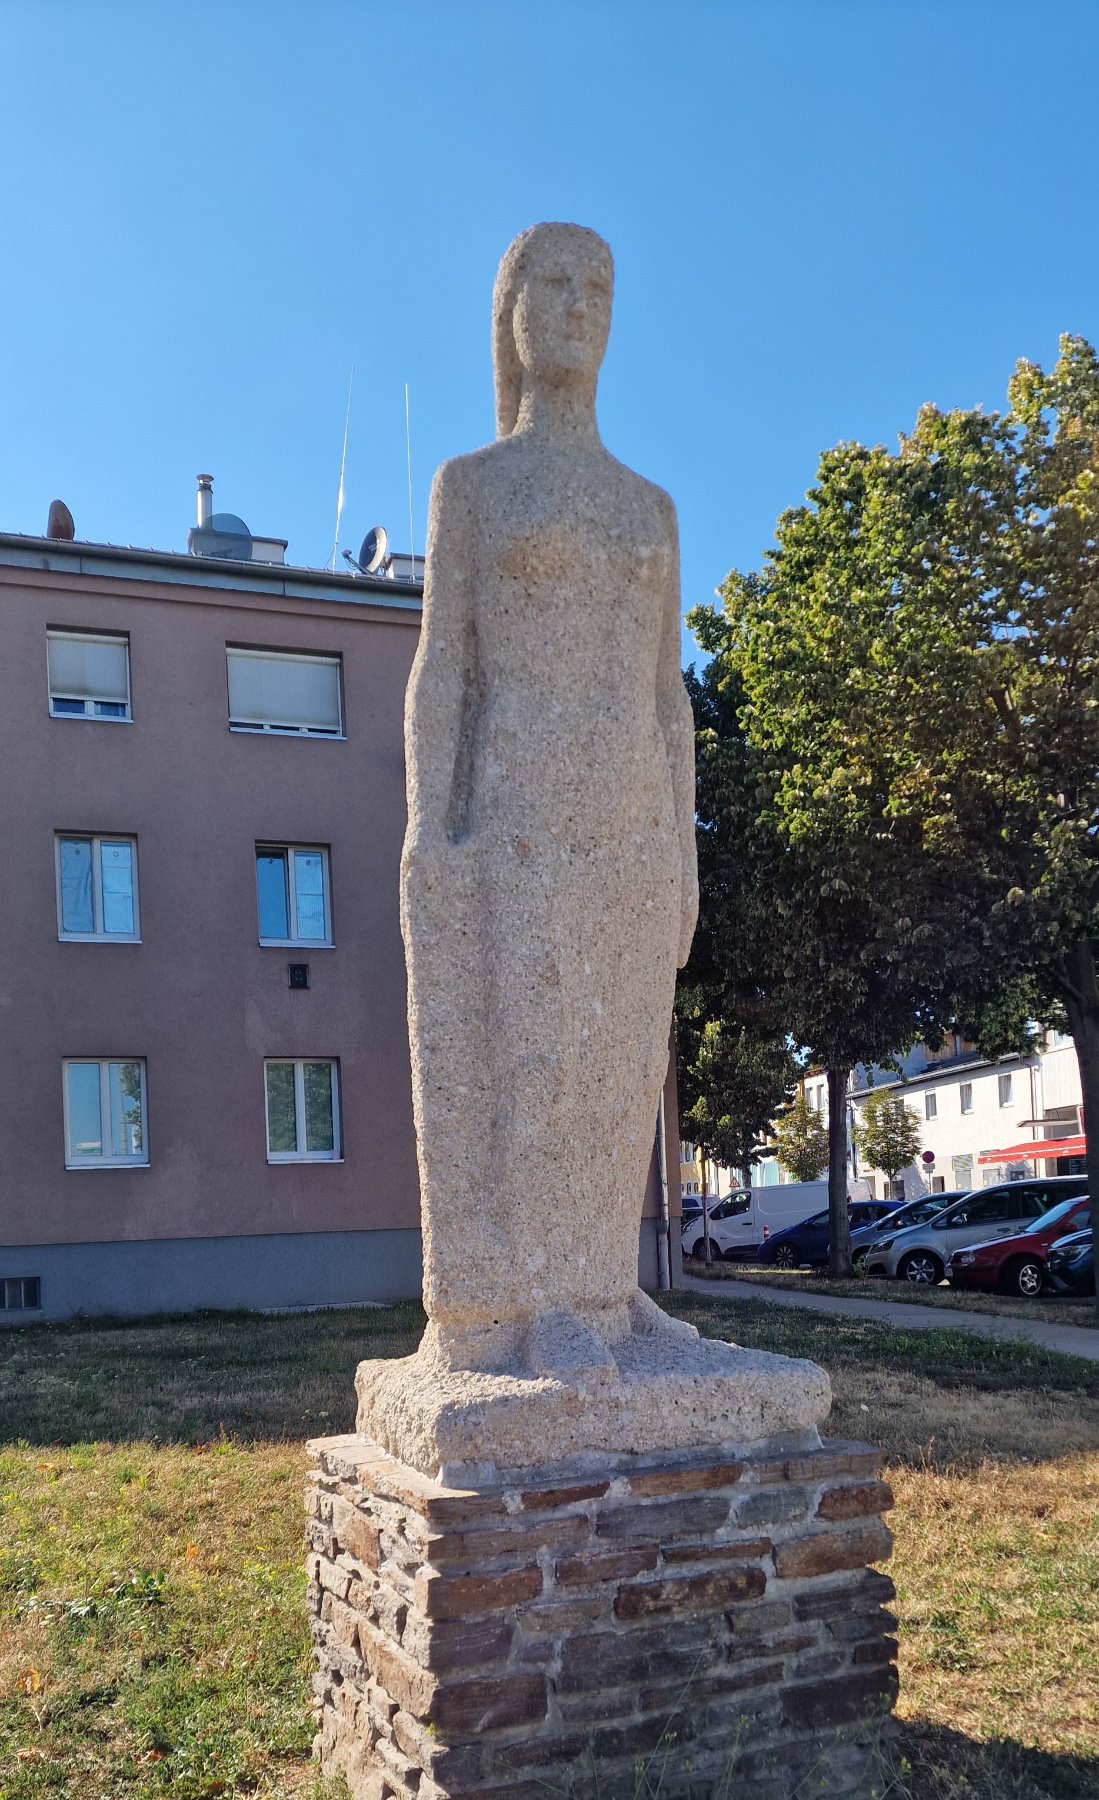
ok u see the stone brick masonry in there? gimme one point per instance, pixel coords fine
(712, 1621)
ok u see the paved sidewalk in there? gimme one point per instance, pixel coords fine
(1070, 1340)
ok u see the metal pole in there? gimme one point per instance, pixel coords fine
(664, 1235)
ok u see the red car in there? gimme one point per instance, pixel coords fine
(1017, 1265)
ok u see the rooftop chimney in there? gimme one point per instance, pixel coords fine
(60, 522)
(205, 500)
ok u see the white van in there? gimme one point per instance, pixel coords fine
(743, 1222)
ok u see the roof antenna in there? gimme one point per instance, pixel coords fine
(343, 466)
(408, 457)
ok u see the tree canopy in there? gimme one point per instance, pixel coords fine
(888, 1132)
(801, 1140)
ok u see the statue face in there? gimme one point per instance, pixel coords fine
(563, 309)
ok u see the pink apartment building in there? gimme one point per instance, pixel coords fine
(206, 1098)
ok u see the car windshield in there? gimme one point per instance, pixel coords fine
(1057, 1212)
(918, 1213)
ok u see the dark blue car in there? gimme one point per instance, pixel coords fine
(808, 1242)
(1071, 1262)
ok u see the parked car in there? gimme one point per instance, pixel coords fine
(808, 1241)
(692, 1206)
(911, 1212)
(749, 1217)
(1017, 1265)
(922, 1253)
(1071, 1262)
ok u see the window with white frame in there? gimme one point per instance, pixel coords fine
(965, 1096)
(1003, 1083)
(303, 1111)
(105, 1113)
(89, 675)
(96, 889)
(274, 690)
(292, 894)
(931, 1106)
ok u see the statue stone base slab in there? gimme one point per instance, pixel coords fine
(709, 1615)
(630, 1380)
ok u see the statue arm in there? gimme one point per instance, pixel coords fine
(437, 706)
(677, 724)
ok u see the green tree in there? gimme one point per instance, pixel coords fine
(843, 896)
(888, 1132)
(801, 1140)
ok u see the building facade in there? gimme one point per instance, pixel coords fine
(206, 1096)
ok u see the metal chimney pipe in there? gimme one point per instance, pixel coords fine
(205, 500)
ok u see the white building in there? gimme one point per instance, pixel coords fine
(980, 1121)
(983, 1122)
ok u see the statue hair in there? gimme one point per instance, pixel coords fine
(507, 371)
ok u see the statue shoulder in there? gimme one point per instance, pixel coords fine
(653, 497)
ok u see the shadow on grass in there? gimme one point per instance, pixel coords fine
(194, 1379)
(946, 1765)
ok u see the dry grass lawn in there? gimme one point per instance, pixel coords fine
(152, 1636)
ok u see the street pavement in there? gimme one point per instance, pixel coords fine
(1070, 1340)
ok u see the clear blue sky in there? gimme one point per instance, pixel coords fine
(823, 213)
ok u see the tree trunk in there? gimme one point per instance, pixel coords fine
(839, 1223)
(1081, 997)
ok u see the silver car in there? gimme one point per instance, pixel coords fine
(913, 1212)
(922, 1252)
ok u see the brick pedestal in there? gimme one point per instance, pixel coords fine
(714, 1620)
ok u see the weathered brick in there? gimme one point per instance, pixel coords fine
(856, 1626)
(560, 1614)
(749, 1621)
(686, 1480)
(842, 1600)
(448, 1764)
(765, 1675)
(606, 1565)
(536, 1753)
(820, 1664)
(835, 1459)
(355, 1533)
(405, 1682)
(545, 1499)
(461, 1596)
(816, 1705)
(466, 1709)
(772, 1506)
(470, 1549)
(641, 1739)
(689, 1593)
(663, 1519)
(875, 1650)
(740, 1550)
(610, 1658)
(826, 1552)
(755, 1649)
(855, 1500)
(445, 1645)
(330, 1576)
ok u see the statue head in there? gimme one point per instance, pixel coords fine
(551, 313)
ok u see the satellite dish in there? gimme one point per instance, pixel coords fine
(372, 552)
(225, 536)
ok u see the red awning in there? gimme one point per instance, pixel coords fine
(1037, 1150)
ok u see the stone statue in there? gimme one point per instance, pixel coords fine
(549, 890)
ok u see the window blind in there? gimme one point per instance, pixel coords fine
(294, 692)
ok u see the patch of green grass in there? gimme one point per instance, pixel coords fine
(1059, 1309)
(950, 1357)
(152, 1626)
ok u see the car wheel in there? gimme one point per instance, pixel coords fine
(922, 1267)
(858, 1262)
(1025, 1277)
(786, 1257)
